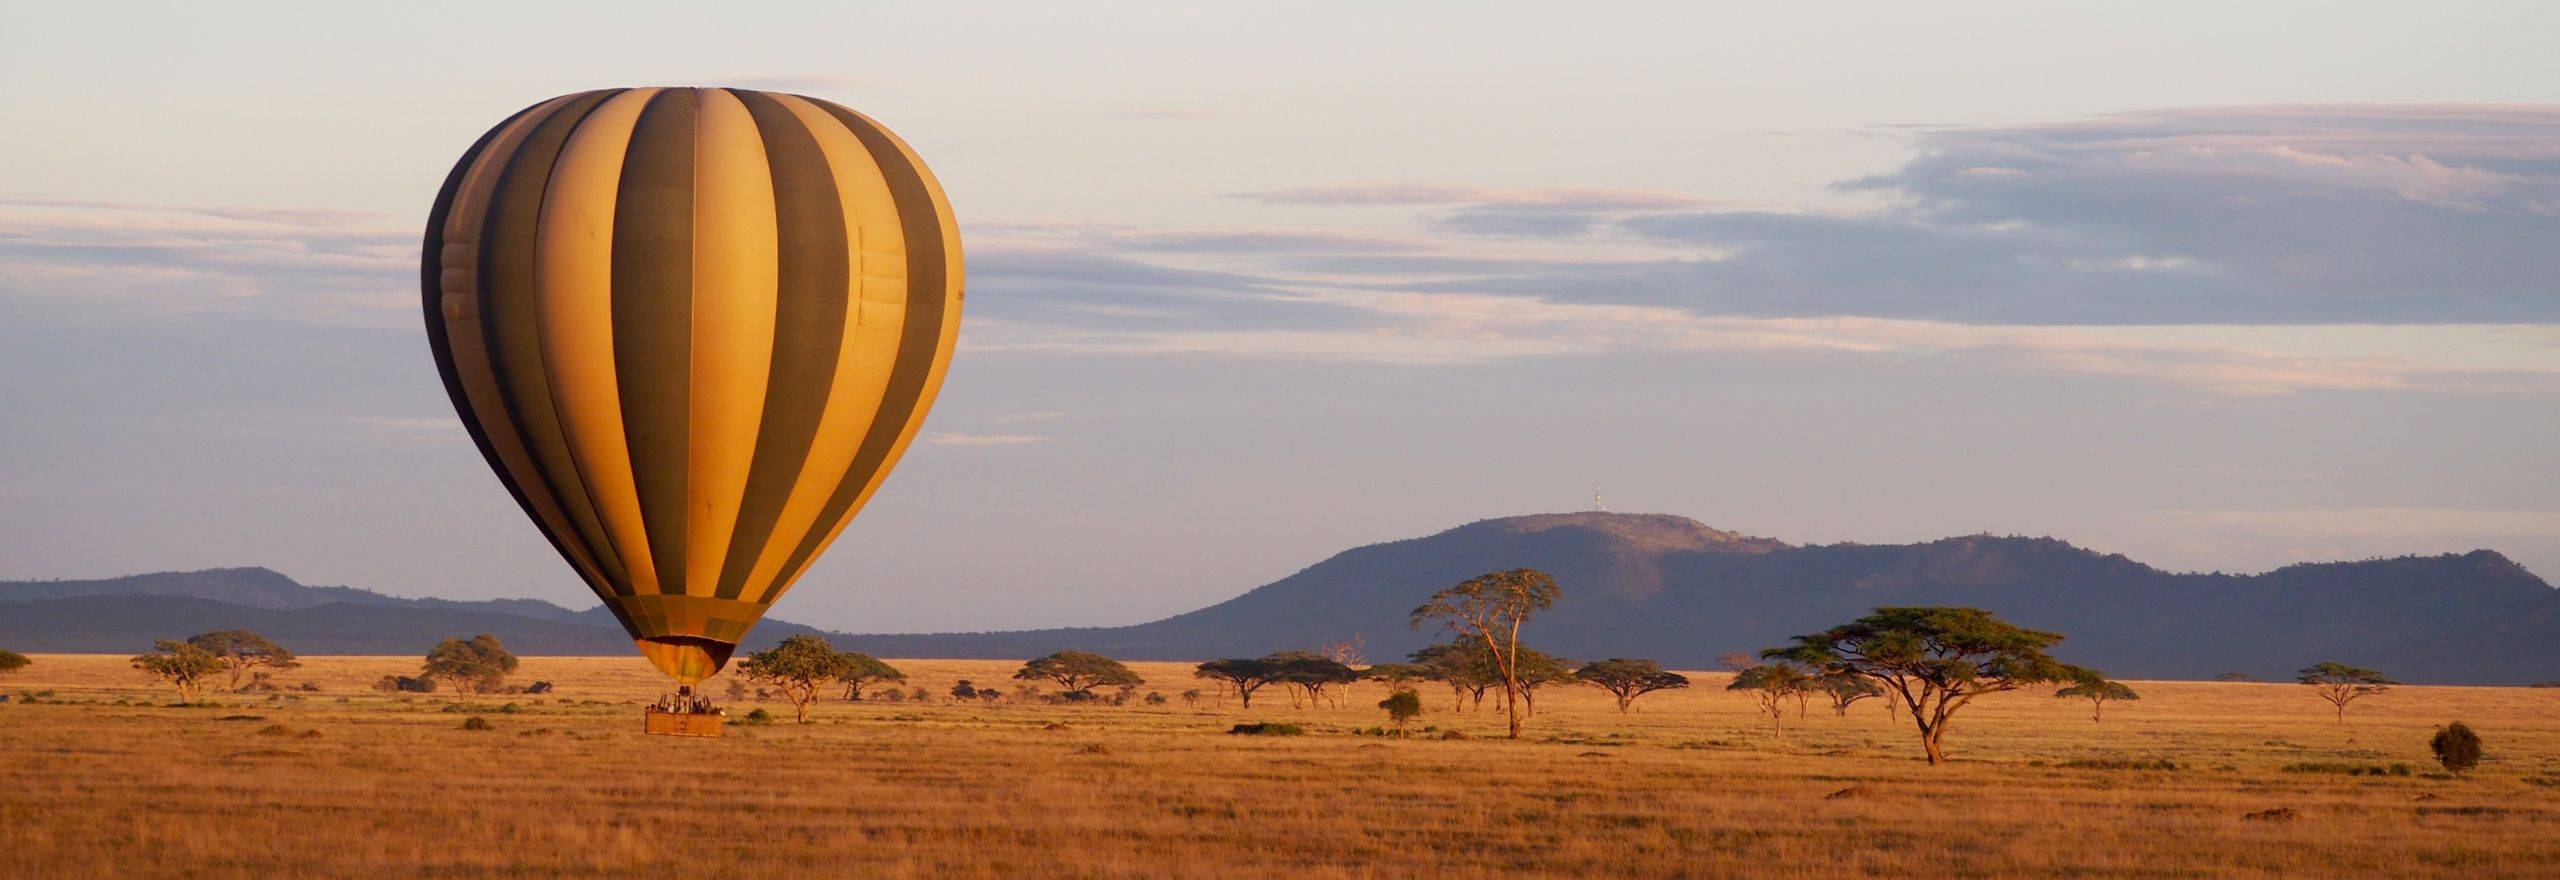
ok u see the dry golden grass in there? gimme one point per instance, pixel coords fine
(100, 780)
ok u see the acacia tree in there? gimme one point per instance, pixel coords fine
(1770, 685)
(1353, 651)
(1845, 690)
(2341, 684)
(241, 650)
(1628, 679)
(1466, 667)
(1079, 672)
(1539, 669)
(181, 664)
(1310, 673)
(1492, 608)
(1244, 675)
(859, 670)
(2098, 692)
(1397, 676)
(797, 667)
(12, 661)
(1934, 660)
(479, 665)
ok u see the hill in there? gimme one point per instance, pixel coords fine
(125, 614)
(1656, 586)
(1670, 588)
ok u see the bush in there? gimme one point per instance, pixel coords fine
(2456, 747)
(405, 684)
(476, 722)
(758, 716)
(1271, 728)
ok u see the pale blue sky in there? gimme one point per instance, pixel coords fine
(2218, 286)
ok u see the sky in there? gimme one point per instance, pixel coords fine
(2215, 286)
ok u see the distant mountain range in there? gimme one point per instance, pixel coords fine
(1655, 586)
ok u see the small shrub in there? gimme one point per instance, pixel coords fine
(758, 716)
(275, 730)
(476, 722)
(1267, 728)
(2456, 747)
(405, 684)
(510, 709)
(1402, 706)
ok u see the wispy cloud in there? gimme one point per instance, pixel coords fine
(959, 439)
(1437, 328)
(302, 265)
(1554, 198)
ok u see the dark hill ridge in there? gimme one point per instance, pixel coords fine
(1635, 585)
(1670, 588)
(270, 590)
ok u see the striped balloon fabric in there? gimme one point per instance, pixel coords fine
(691, 330)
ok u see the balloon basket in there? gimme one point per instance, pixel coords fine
(682, 714)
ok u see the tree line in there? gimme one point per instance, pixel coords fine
(1926, 663)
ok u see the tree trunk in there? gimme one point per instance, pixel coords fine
(1511, 706)
(1929, 743)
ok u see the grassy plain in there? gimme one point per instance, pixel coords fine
(100, 779)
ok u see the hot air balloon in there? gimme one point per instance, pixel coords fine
(691, 330)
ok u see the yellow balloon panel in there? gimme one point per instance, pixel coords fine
(691, 330)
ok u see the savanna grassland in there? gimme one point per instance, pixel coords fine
(98, 778)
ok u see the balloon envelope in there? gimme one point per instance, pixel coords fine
(691, 330)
